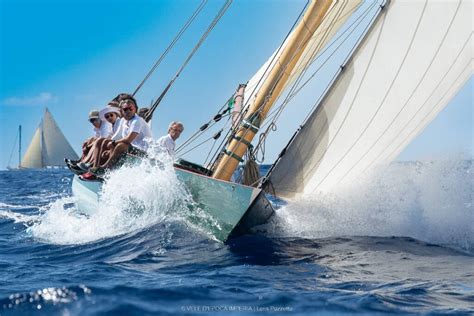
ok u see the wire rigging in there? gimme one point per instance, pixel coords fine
(170, 46)
(196, 47)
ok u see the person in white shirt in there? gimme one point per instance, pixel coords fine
(167, 142)
(132, 136)
(112, 116)
(101, 127)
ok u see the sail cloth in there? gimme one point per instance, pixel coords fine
(336, 16)
(412, 62)
(48, 147)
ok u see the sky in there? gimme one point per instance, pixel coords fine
(73, 56)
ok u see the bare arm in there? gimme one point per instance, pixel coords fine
(129, 139)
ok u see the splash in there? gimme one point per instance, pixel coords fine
(430, 201)
(134, 197)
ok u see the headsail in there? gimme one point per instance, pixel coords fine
(48, 147)
(415, 58)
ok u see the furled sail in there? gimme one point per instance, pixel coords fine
(410, 64)
(337, 15)
(48, 147)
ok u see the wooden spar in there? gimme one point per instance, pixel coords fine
(271, 88)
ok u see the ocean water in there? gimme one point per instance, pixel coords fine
(398, 242)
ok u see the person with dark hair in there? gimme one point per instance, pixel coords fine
(133, 136)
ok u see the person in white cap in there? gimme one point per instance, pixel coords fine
(111, 115)
(101, 128)
(104, 123)
(133, 137)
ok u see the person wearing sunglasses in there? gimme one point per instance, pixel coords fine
(101, 128)
(132, 136)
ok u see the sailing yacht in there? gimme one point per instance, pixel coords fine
(48, 147)
(410, 61)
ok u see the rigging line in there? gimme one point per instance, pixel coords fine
(389, 90)
(289, 97)
(198, 134)
(354, 24)
(170, 46)
(246, 104)
(282, 72)
(411, 95)
(427, 99)
(13, 149)
(332, 83)
(303, 45)
(305, 67)
(206, 140)
(208, 122)
(349, 12)
(361, 82)
(196, 47)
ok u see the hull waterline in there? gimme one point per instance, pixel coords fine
(234, 208)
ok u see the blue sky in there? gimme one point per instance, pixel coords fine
(73, 56)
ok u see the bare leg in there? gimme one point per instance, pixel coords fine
(118, 150)
(102, 153)
(96, 151)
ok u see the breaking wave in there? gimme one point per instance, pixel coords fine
(430, 201)
(134, 197)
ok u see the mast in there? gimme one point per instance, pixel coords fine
(271, 89)
(19, 147)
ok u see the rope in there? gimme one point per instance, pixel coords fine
(245, 105)
(170, 46)
(13, 149)
(196, 47)
(291, 93)
(360, 18)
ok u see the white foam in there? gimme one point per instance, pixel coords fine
(430, 201)
(134, 197)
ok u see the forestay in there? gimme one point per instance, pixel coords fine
(414, 59)
(337, 15)
(48, 147)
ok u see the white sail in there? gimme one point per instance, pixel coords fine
(33, 157)
(337, 15)
(49, 146)
(417, 55)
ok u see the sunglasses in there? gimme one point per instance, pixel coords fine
(127, 108)
(92, 120)
(109, 115)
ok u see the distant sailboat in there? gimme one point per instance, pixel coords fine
(48, 147)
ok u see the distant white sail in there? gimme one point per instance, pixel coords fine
(416, 57)
(337, 15)
(48, 147)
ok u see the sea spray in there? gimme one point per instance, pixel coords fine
(135, 196)
(430, 201)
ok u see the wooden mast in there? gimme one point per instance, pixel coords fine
(271, 89)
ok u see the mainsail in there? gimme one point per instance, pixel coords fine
(48, 147)
(410, 64)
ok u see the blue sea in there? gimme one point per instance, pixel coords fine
(399, 242)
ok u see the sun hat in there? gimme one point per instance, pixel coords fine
(94, 114)
(109, 109)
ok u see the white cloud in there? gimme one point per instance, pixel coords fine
(43, 98)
